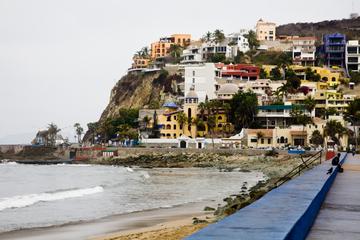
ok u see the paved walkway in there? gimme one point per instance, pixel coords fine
(339, 217)
(283, 213)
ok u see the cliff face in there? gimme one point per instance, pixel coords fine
(137, 90)
(350, 27)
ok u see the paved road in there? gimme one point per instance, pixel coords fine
(339, 217)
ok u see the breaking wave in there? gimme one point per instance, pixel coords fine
(31, 199)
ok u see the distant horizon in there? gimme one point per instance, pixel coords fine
(60, 60)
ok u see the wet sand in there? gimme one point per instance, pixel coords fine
(111, 227)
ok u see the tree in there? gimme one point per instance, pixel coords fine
(243, 109)
(352, 114)
(259, 135)
(218, 36)
(316, 138)
(299, 116)
(175, 50)
(207, 37)
(275, 74)
(253, 42)
(217, 57)
(335, 130)
(53, 130)
(182, 120)
(146, 121)
(107, 129)
(311, 75)
(211, 123)
(92, 130)
(263, 74)
(309, 104)
(79, 131)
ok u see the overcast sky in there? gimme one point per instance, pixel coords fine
(60, 59)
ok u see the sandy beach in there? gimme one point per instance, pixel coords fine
(140, 225)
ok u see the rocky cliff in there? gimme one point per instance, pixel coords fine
(138, 90)
(350, 27)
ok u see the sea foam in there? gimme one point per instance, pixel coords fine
(31, 199)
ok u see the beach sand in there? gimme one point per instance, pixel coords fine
(165, 223)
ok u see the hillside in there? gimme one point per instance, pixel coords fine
(350, 27)
(137, 90)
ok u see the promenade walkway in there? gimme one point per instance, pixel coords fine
(339, 217)
(286, 212)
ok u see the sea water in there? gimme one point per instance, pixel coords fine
(50, 195)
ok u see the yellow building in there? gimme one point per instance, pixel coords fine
(265, 31)
(327, 75)
(161, 48)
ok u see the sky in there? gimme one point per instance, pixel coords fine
(60, 59)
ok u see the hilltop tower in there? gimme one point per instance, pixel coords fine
(190, 109)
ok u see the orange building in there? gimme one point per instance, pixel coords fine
(140, 62)
(161, 47)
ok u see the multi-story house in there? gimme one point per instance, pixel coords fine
(352, 54)
(239, 40)
(334, 49)
(193, 53)
(265, 31)
(140, 63)
(247, 72)
(161, 48)
(303, 51)
(202, 78)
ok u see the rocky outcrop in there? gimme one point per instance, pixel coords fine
(350, 27)
(137, 90)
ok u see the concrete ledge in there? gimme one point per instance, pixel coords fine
(287, 212)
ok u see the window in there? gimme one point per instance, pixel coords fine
(174, 126)
(333, 79)
(174, 135)
(253, 140)
(193, 73)
(193, 80)
(353, 59)
(168, 126)
(262, 141)
(269, 140)
(168, 119)
(220, 118)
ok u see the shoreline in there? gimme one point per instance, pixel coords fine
(116, 225)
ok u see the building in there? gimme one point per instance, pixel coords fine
(239, 40)
(303, 51)
(140, 63)
(352, 56)
(193, 53)
(161, 48)
(201, 77)
(334, 49)
(246, 72)
(265, 31)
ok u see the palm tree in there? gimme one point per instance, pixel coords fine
(202, 108)
(211, 123)
(52, 132)
(175, 50)
(92, 130)
(207, 37)
(79, 131)
(182, 120)
(219, 36)
(146, 121)
(259, 135)
(309, 104)
(352, 114)
(335, 130)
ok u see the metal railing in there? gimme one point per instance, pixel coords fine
(299, 169)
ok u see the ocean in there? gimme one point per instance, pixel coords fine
(33, 196)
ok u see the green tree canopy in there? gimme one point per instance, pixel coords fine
(243, 109)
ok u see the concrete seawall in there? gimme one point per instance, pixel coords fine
(287, 212)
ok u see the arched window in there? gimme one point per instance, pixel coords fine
(168, 126)
(282, 140)
(333, 79)
(189, 113)
(220, 125)
(219, 117)
(286, 140)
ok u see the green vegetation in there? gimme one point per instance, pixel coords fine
(79, 131)
(52, 131)
(271, 58)
(253, 42)
(355, 77)
(243, 108)
(312, 75)
(335, 130)
(316, 138)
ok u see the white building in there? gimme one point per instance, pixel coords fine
(193, 53)
(265, 31)
(241, 41)
(303, 51)
(202, 78)
(352, 54)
